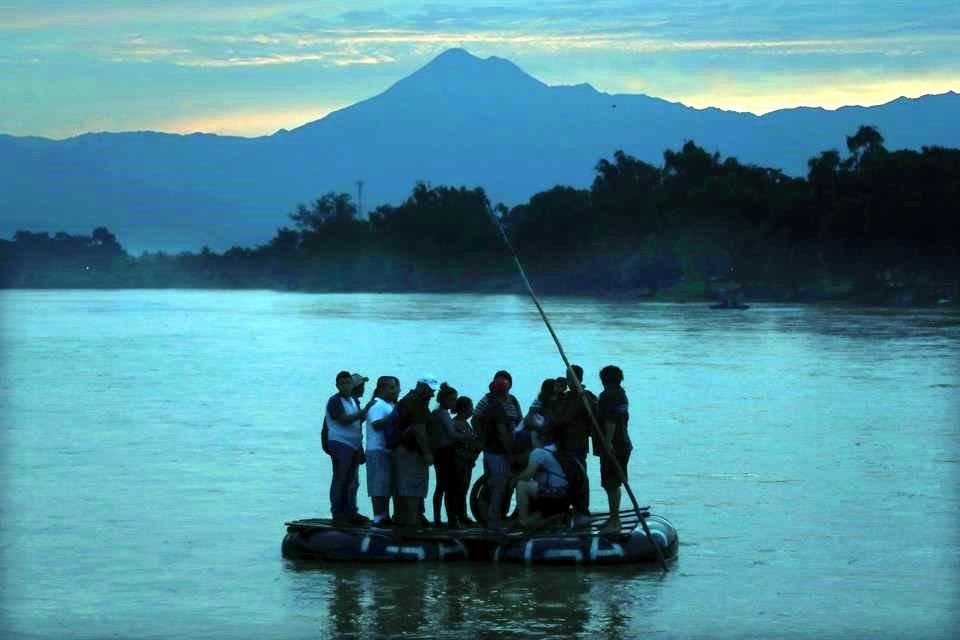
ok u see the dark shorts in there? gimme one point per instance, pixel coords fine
(545, 490)
(608, 474)
(409, 474)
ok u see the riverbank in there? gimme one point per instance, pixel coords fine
(671, 269)
(681, 292)
(874, 228)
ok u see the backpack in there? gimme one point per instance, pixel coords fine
(392, 431)
(575, 473)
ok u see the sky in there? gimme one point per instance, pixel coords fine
(250, 68)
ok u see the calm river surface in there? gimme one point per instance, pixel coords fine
(154, 443)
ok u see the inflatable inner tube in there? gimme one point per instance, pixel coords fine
(594, 549)
(329, 544)
(480, 500)
(320, 540)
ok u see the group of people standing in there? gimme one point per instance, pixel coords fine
(404, 438)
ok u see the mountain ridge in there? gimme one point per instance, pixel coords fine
(458, 120)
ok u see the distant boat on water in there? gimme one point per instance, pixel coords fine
(729, 298)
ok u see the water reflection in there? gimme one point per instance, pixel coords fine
(484, 601)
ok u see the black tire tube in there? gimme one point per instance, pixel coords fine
(478, 499)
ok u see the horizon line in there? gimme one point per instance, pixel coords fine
(321, 115)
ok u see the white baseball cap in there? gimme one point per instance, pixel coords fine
(430, 381)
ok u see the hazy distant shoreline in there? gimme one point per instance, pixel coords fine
(680, 294)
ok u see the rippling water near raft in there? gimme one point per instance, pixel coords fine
(154, 442)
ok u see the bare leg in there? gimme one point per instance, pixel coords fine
(523, 502)
(437, 502)
(613, 499)
(525, 490)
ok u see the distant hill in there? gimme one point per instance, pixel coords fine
(459, 120)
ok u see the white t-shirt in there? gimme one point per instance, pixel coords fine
(549, 471)
(379, 410)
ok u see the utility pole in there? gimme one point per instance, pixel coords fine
(360, 199)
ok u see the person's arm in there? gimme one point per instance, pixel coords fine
(349, 418)
(530, 471)
(335, 409)
(504, 434)
(362, 414)
(470, 434)
(609, 427)
(534, 420)
(339, 414)
(520, 417)
(481, 408)
(378, 416)
(450, 428)
(616, 416)
(601, 412)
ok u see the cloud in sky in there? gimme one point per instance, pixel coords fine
(81, 13)
(730, 53)
(273, 59)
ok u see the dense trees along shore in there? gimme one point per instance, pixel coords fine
(869, 225)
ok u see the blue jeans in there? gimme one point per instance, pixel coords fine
(345, 481)
(497, 468)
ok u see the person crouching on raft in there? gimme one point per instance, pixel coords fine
(543, 479)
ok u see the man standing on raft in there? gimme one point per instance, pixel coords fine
(344, 424)
(612, 417)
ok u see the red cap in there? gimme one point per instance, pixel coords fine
(500, 385)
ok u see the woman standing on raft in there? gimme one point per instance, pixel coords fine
(466, 450)
(442, 436)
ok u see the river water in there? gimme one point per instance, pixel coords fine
(154, 443)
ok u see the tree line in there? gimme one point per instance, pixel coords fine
(870, 225)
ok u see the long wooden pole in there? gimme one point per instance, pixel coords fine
(572, 376)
